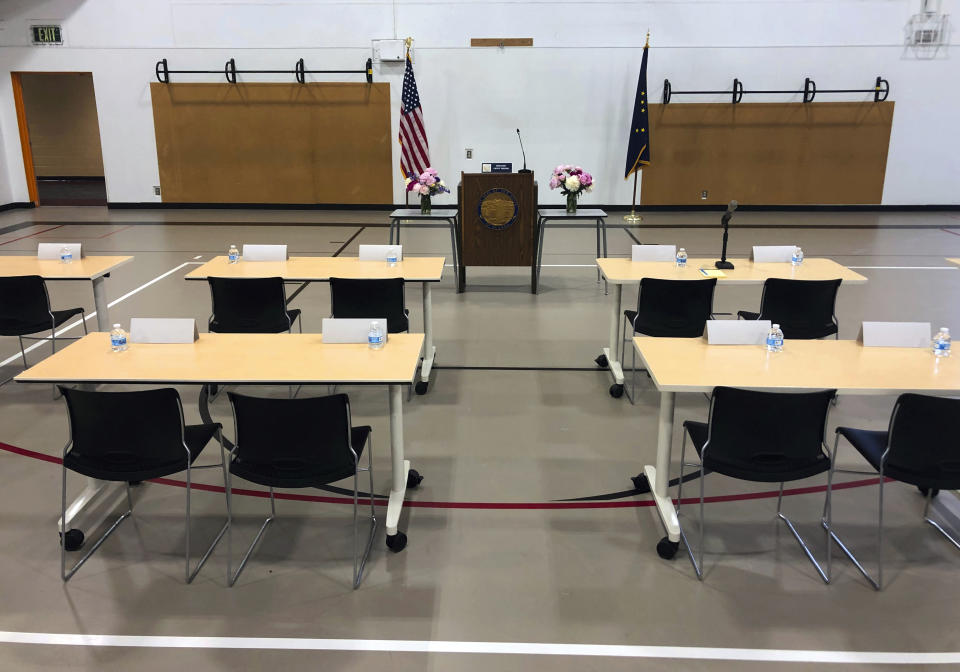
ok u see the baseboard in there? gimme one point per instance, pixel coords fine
(17, 205)
(127, 205)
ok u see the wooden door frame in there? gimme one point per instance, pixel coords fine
(25, 139)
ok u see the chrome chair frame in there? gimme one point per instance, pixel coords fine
(189, 575)
(359, 561)
(827, 523)
(825, 575)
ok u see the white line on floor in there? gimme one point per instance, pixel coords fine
(91, 315)
(509, 648)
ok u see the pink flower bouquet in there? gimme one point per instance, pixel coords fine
(427, 184)
(571, 181)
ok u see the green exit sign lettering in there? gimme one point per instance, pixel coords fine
(46, 34)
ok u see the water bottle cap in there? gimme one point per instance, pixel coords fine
(682, 250)
(944, 330)
(116, 326)
(375, 323)
(775, 326)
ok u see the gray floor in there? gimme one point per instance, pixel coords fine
(481, 435)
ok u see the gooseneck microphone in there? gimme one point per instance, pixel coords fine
(524, 169)
(725, 223)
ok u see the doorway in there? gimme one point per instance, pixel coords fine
(60, 137)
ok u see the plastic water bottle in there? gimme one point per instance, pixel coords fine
(118, 339)
(233, 254)
(66, 255)
(775, 339)
(681, 258)
(392, 256)
(375, 336)
(941, 343)
(797, 257)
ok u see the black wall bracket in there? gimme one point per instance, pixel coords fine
(230, 71)
(880, 91)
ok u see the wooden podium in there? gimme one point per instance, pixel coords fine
(498, 222)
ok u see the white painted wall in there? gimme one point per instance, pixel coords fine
(571, 93)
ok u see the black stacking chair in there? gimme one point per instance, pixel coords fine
(668, 309)
(764, 437)
(132, 436)
(802, 308)
(299, 443)
(25, 309)
(250, 306)
(919, 448)
(351, 298)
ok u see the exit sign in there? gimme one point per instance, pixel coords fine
(46, 34)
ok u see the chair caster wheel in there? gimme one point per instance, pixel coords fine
(413, 479)
(925, 491)
(640, 482)
(666, 549)
(397, 542)
(72, 540)
(421, 387)
(616, 391)
(602, 362)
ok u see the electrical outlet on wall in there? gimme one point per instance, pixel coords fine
(156, 190)
(703, 195)
(469, 153)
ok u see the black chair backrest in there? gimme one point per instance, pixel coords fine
(351, 298)
(126, 430)
(675, 308)
(23, 301)
(293, 434)
(924, 435)
(248, 306)
(802, 308)
(767, 430)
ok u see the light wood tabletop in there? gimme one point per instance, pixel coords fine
(691, 365)
(232, 359)
(953, 261)
(85, 268)
(627, 271)
(413, 269)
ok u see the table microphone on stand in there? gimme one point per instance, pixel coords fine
(725, 222)
(524, 169)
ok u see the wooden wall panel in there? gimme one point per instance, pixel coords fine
(768, 153)
(274, 143)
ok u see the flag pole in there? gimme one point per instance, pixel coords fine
(633, 217)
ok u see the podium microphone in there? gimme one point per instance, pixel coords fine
(725, 223)
(524, 169)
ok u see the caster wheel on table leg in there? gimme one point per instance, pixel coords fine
(421, 387)
(602, 362)
(397, 542)
(413, 478)
(666, 549)
(616, 391)
(924, 491)
(640, 482)
(72, 539)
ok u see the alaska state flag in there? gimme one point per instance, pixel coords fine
(638, 151)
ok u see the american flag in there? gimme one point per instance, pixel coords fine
(414, 151)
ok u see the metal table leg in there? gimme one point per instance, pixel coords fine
(608, 358)
(91, 491)
(659, 476)
(100, 303)
(396, 540)
(429, 350)
(541, 226)
(453, 247)
(602, 223)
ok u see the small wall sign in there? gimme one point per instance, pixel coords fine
(46, 35)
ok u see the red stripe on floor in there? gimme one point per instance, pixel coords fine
(31, 235)
(627, 504)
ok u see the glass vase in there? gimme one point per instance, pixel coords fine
(571, 204)
(426, 207)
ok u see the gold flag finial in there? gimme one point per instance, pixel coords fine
(648, 40)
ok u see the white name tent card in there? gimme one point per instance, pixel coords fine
(775, 253)
(163, 330)
(737, 332)
(52, 250)
(654, 252)
(350, 330)
(264, 253)
(895, 334)
(379, 252)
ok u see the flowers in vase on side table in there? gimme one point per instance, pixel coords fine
(572, 181)
(426, 185)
